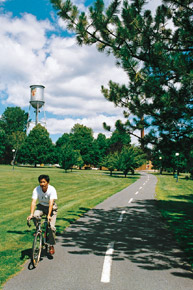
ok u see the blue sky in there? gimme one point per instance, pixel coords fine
(41, 8)
(35, 48)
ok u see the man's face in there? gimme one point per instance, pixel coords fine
(44, 184)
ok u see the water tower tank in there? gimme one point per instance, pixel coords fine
(37, 96)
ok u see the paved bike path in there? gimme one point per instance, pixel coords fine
(121, 244)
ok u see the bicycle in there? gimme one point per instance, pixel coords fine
(40, 239)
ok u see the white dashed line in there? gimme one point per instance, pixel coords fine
(106, 272)
(121, 216)
(140, 187)
(131, 199)
(137, 192)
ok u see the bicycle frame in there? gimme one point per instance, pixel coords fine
(40, 240)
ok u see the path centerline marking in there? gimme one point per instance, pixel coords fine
(121, 216)
(131, 199)
(137, 192)
(106, 272)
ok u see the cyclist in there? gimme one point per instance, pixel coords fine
(46, 195)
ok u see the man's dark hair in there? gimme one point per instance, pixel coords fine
(43, 176)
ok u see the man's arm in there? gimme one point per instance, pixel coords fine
(32, 209)
(51, 202)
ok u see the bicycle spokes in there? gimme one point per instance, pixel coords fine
(36, 249)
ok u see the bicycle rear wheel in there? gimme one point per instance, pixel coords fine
(36, 248)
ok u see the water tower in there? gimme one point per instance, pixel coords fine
(37, 100)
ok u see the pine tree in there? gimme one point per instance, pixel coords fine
(156, 58)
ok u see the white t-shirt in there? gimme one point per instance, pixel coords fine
(44, 197)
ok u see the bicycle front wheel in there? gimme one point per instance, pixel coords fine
(36, 248)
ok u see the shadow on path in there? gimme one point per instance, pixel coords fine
(141, 237)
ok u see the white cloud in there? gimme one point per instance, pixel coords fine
(72, 75)
(55, 126)
(22, 54)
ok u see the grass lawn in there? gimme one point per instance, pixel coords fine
(175, 201)
(78, 191)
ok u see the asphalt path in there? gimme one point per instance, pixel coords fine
(121, 244)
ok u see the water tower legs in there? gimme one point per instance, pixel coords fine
(37, 111)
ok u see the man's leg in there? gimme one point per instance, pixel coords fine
(38, 213)
(52, 229)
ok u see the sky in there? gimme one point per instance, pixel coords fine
(36, 49)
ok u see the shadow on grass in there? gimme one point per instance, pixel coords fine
(19, 232)
(180, 176)
(142, 237)
(177, 213)
(26, 253)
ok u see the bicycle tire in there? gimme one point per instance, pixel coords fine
(46, 239)
(36, 248)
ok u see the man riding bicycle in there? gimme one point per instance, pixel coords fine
(46, 195)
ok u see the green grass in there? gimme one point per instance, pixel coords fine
(78, 191)
(175, 201)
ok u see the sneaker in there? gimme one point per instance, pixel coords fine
(51, 250)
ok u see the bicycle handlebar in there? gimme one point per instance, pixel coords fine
(38, 219)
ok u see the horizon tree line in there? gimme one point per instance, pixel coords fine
(77, 148)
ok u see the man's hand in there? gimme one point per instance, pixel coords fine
(49, 218)
(30, 217)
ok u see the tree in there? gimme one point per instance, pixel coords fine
(16, 140)
(13, 121)
(79, 161)
(2, 145)
(82, 140)
(164, 155)
(101, 145)
(111, 161)
(190, 163)
(131, 158)
(119, 138)
(37, 148)
(63, 140)
(70, 157)
(156, 58)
